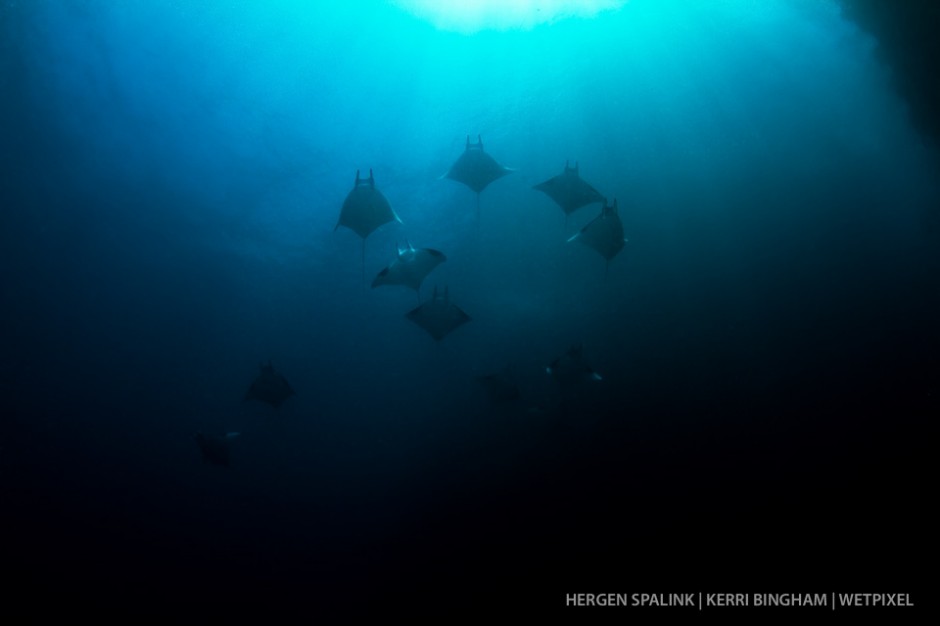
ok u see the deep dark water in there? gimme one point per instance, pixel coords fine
(768, 337)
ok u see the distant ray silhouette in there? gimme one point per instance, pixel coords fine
(269, 387)
(364, 210)
(571, 368)
(215, 449)
(476, 169)
(438, 316)
(410, 268)
(569, 190)
(604, 233)
(501, 387)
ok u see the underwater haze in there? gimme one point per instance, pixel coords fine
(172, 179)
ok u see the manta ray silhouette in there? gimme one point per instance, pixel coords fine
(215, 449)
(476, 169)
(410, 268)
(571, 368)
(364, 210)
(438, 316)
(603, 234)
(569, 190)
(501, 387)
(269, 387)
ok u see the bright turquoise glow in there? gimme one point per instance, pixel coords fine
(298, 95)
(471, 16)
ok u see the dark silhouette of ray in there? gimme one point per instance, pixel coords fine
(501, 387)
(269, 387)
(364, 210)
(215, 449)
(571, 369)
(410, 268)
(438, 316)
(476, 169)
(569, 190)
(603, 234)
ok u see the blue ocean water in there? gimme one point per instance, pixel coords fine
(172, 176)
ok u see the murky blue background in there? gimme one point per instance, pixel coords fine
(172, 173)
